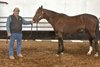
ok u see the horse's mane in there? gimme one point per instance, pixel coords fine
(53, 12)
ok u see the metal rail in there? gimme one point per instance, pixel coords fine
(42, 26)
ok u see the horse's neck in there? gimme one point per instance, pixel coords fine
(50, 16)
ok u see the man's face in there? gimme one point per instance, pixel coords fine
(16, 12)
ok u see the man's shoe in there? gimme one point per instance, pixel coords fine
(20, 55)
(11, 57)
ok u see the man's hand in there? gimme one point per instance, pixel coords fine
(9, 34)
(32, 21)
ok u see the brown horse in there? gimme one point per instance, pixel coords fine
(63, 24)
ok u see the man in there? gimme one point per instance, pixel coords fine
(14, 31)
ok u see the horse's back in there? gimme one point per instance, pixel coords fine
(79, 19)
(90, 20)
(89, 17)
(71, 24)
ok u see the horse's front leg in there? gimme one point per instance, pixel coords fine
(60, 43)
(60, 46)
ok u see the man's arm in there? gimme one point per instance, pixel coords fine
(8, 26)
(26, 22)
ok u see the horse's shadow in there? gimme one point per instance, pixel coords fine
(81, 50)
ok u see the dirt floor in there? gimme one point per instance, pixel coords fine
(43, 54)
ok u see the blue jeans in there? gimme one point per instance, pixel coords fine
(18, 38)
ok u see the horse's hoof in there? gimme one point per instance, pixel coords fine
(61, 53)
(88, 54)
(57, 55)
(96, 55)
(90, 50)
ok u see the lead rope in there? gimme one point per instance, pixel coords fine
(31, 30)
(36, 30)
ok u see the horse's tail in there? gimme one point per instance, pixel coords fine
(97, 30)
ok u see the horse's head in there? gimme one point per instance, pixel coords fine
(39, 15)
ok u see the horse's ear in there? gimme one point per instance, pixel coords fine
(41, 7)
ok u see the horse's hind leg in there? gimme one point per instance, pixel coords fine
(90, 41)
(90, 47)
(96, 47)
(93, 44)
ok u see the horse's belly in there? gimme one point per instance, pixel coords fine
(73, 29)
